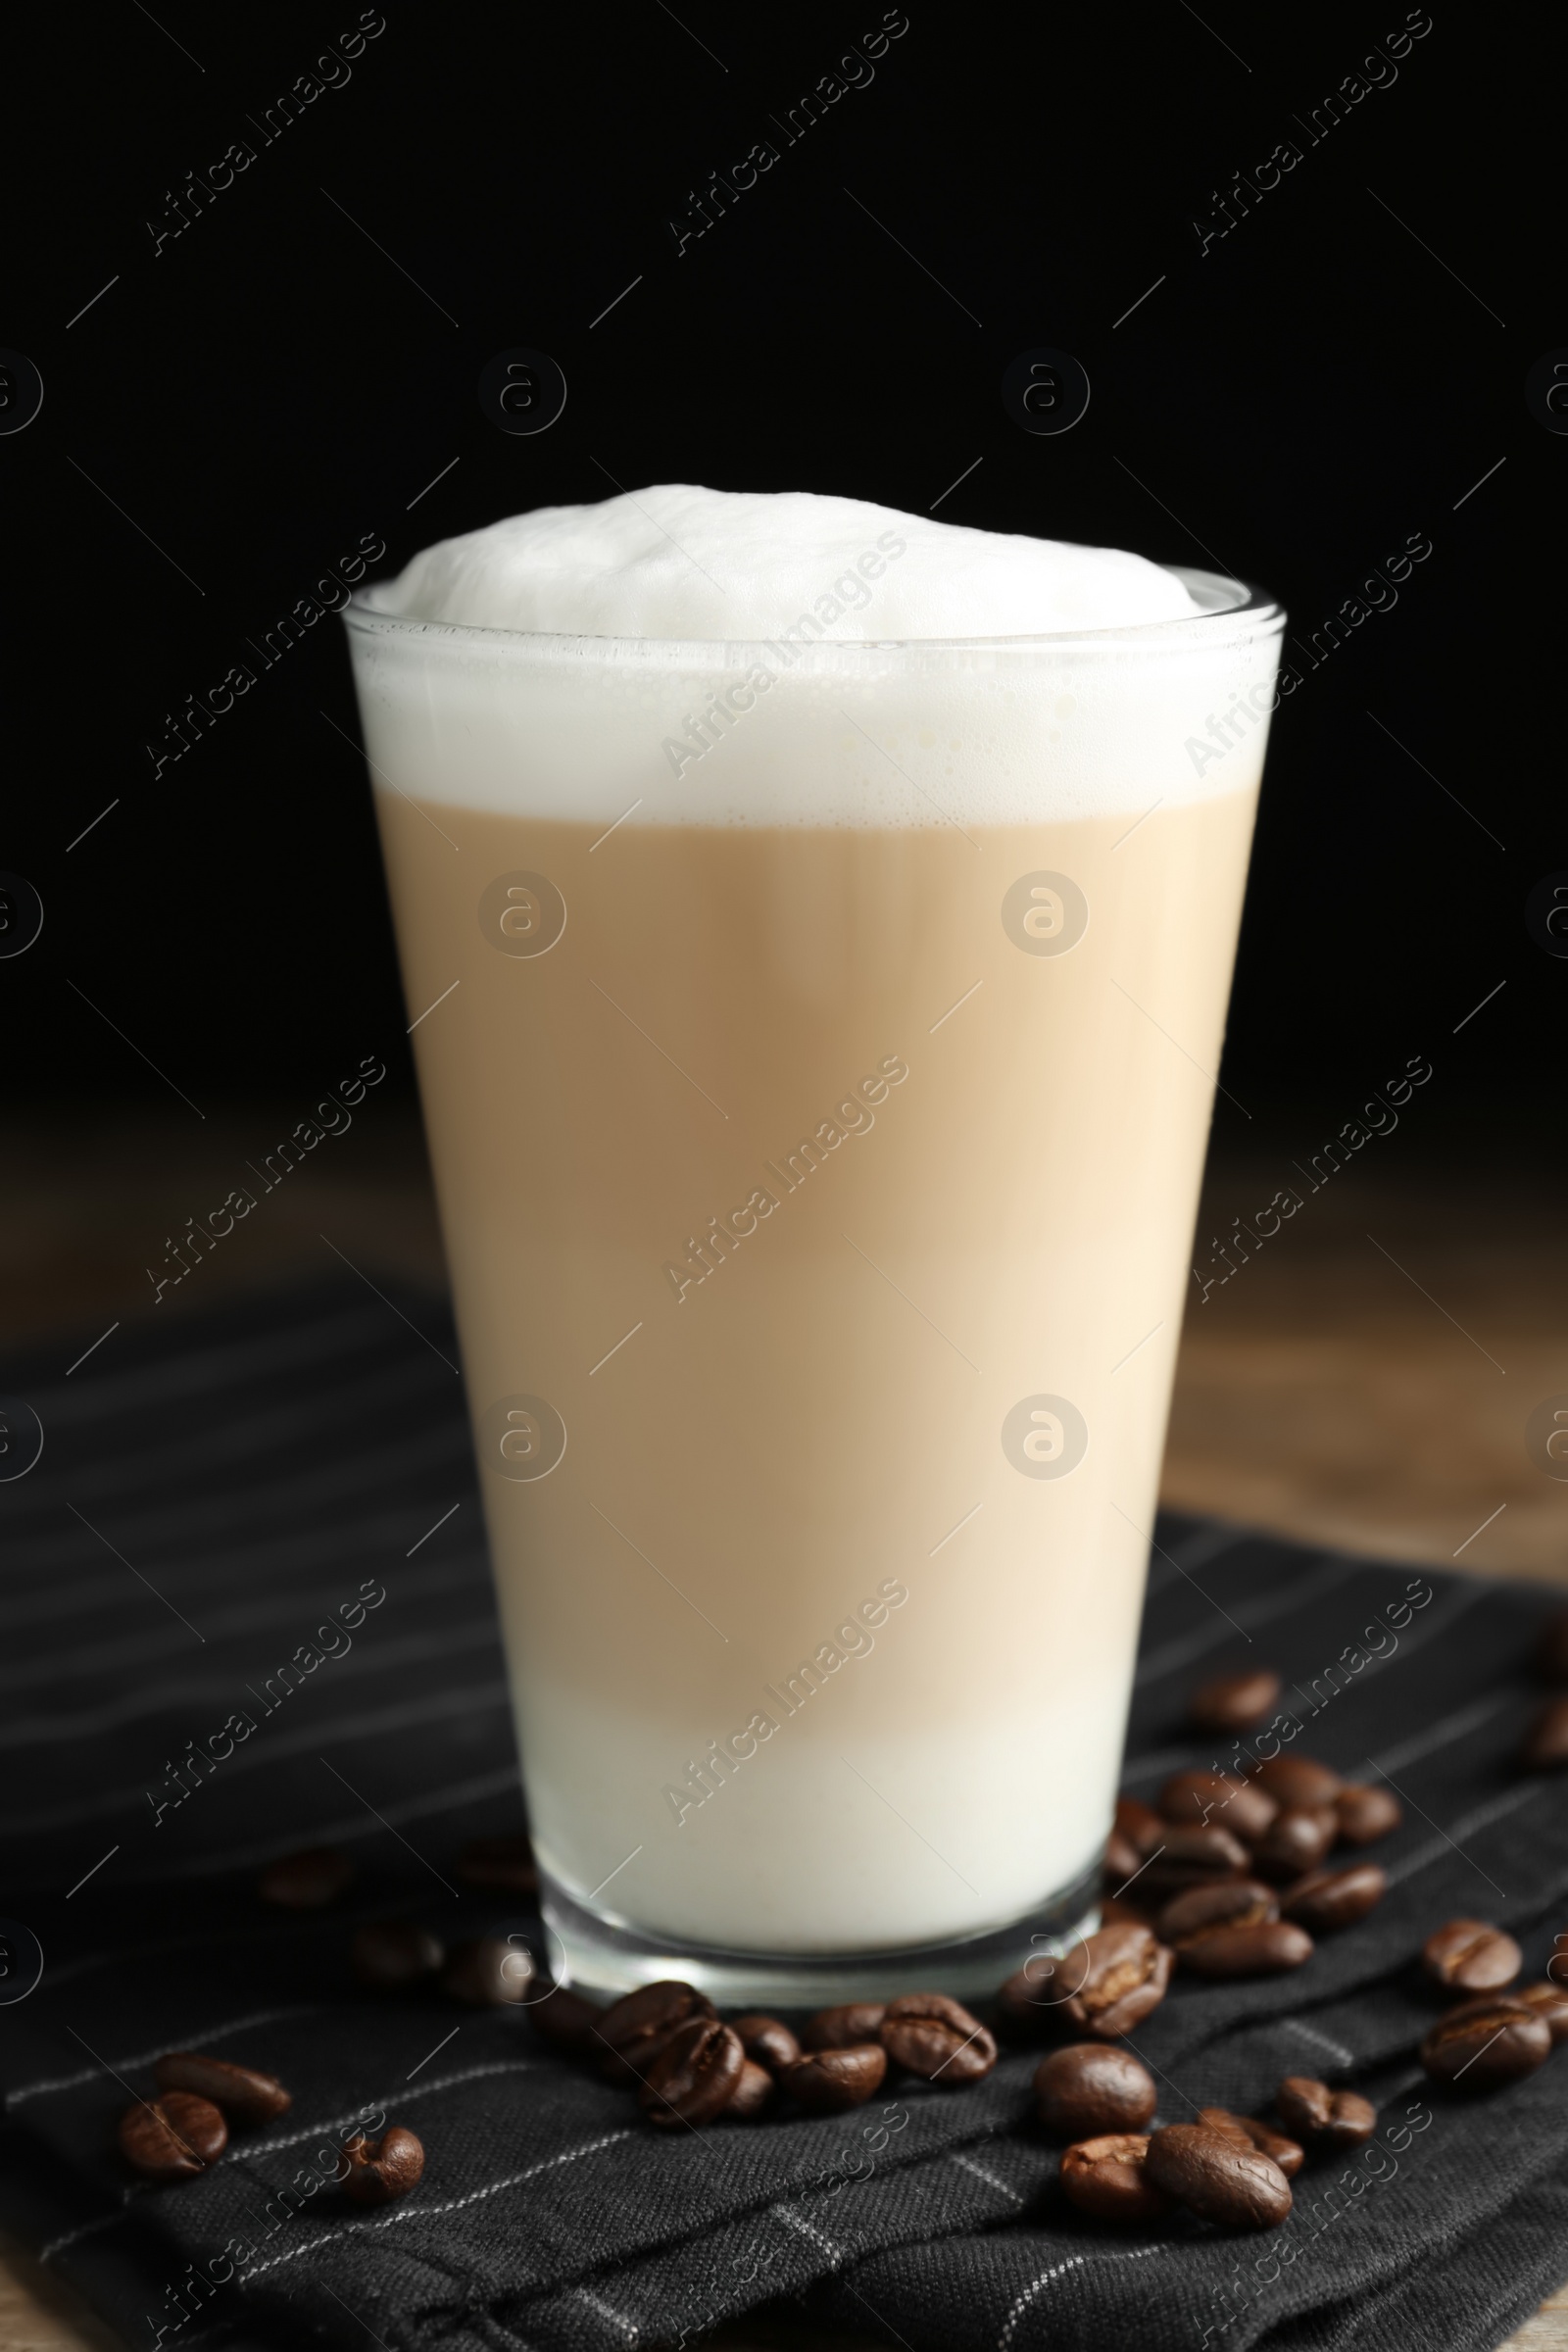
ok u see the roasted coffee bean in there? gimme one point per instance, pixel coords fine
(1327, 1900)
(1090, 2089)
(307, 1880)
(565, 2019)
(1120, 1911)
(635, 2029)
(827, 2082)
(1486, 2042)
(1545, 1749)
(490, 1972)
(844, 2027)
(1288, 2154)
(1246, 2131)
(1106, 2176)
(393, 1956)
(382, 2171)
(767, 2041)
(1299, 1781)
(1215, 2176)
(1546, 2000)
(1233, 1703)
(1365, 1813)
(1192, 1857)
(1296, 1841)
(1269, 1949)
(1230, 2127)
(505, 1863)
(1138, 1824)
(1104, 1986)
(751, 2093)
(245, 2096)
(175, 2138)
(1195, 1799)
(935, 2037)
(1468, 1956)
(508, 1972)
(1227, 1903)
(695, 2075)
(1029, 2000)
(1123, 1861)
(1320, 2118)
(1552, 1649)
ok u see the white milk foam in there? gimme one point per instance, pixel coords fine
(704, 658)
(720, 565)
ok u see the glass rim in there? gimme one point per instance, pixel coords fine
(1224, 601)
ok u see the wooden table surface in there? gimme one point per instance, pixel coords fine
(1363, 1378)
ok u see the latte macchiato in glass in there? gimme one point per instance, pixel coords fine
(817, 924)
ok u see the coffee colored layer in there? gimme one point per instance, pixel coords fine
(802, 1436)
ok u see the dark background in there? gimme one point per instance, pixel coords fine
(280, 380)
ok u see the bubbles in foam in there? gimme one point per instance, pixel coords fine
(679, 562)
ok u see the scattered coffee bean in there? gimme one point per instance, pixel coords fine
(1288, 2154)
(767, 2041)
(1468, 1956)
(1227, 1903)
(382, 2171)
(392, 1956)
(1195, 1799)
(175, 2138)
(1229, 2126)
(1028, 2000)
(1269, 1949)
(844, 2027)
(1123, 1861)
(1326, 1899)
(1090, 2089)
(565, 2019)
(1104, 1986)
(245, 2096)
(1552, 1649)
(508, 1971)
(1106, 2176)
(935, 2037)
(1546, 1748)
(1247, 2132)
(695, 2075)
(751, 2093)
(305, 1882)
(1323, 2118)
(1546, 2000)
(1213, 2175)
(635, 2029)
(1120, 1910)
(1233, 1703)
(1296, 1841)
(1365, 1813)
(490, 1972)
(1138, 1824)
(1299, 1781)
(1192, 1857)
(505, 1863)
(827, 2082)
(1485, 2042)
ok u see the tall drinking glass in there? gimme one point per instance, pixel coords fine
(816, 1045)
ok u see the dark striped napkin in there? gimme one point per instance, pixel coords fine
(292, 1481)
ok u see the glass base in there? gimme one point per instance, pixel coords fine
(601, 1957)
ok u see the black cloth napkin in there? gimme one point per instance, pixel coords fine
(215, 1495)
